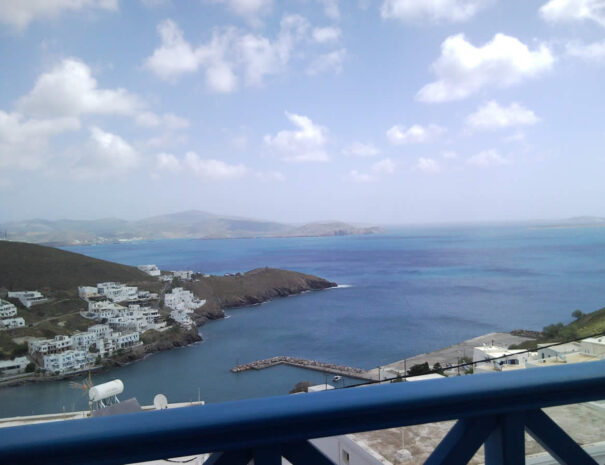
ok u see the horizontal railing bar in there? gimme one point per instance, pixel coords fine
(263, 422)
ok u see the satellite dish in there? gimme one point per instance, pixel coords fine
(160, 402)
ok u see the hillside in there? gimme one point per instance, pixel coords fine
(28, 266)
(191, 224)
(584, 325)
(253, 287)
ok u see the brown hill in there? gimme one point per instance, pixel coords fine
(26, 266)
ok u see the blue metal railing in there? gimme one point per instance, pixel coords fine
(491, 409)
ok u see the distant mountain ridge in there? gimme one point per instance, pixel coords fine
(192, 224)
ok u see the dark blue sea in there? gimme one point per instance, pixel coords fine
(409, 291)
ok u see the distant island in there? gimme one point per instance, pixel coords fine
(572, 223)
(191, 224)
(109, 314)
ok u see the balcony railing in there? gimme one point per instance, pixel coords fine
(491, 409)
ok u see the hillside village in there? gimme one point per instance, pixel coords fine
(118, 316)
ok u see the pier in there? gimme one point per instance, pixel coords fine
(341, 370)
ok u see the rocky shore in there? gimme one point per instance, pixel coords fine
(221, 293)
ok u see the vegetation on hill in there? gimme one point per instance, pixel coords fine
(251, 288)
(584, 325)
(27, 266)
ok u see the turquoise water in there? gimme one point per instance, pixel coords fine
(411, 290)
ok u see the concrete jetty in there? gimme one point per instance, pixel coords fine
(308, 364)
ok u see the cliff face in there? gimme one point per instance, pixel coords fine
(253, 287)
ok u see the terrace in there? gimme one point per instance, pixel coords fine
(494, 410)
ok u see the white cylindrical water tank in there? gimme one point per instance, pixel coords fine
(105, 390)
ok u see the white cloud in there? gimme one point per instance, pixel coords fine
(574, 10)
(463, 69)
(361, 177)
(385, 166)
(428, 165)
(488, 158)
(175, 56)
(167, 162)
(327, 62)
(24, 142)
(212, 169)
(168, 121)
(250, 10)
(331, 8)
(415, 134)
(106, 154)
(590, 52)
(359, 149)
(326, 34)
(432, 10)
(19, 13)
(69, 89)
(492, 115)
(230, 56)
(306, 143)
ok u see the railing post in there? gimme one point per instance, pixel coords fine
(506, 444)
(462, 441)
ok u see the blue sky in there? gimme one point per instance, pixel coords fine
(384, 111)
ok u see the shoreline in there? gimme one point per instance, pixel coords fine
(142, 352)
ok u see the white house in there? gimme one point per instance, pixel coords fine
(185, 274)
(14, 366)
(11, 323)
(82, 341)
(100, 331)
(28, 298)
(7, 309)
(118, 292)
(506, 359)
(69, 360)
(50, 346)
(151, 270)
(180, 299)
(123, 341)
(181, 318)
(86, 292)
(593, 346)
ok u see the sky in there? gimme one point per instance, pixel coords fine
(368, 111)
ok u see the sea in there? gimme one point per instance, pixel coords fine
(407, 291)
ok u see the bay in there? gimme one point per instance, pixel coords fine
(408, 291)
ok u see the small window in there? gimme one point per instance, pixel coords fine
(345, 457)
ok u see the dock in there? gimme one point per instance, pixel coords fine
(340, 370)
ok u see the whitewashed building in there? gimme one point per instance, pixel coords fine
(151, 270)
(593, 346)
(12, 323)
(50, 346)
(14, 366)
(69, 360)
(28, 298)
(100, 331)
(82, 341)
(506, 359)
(180, 299)
(118, 292)
(7, 309)
(182, 318)
(186, 275)
(126, 340)
(86, 292)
